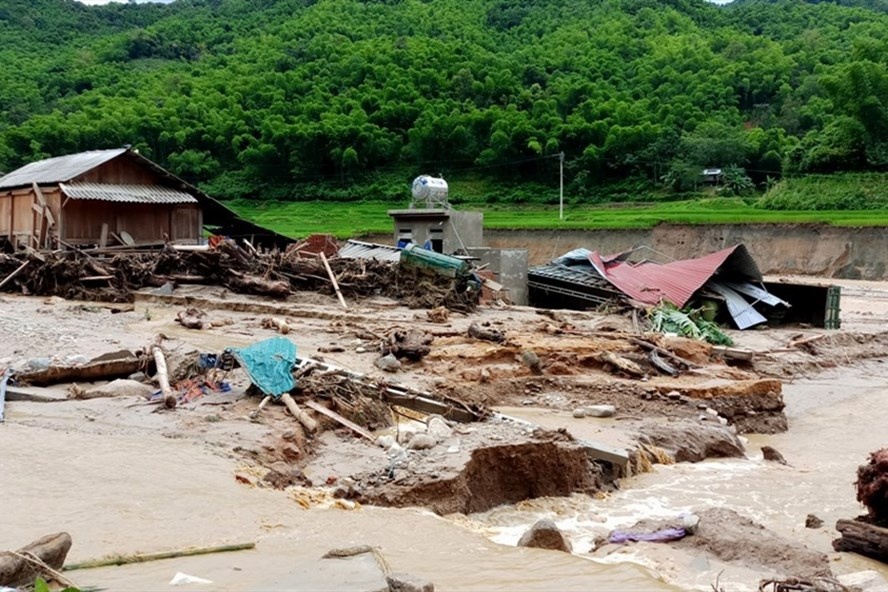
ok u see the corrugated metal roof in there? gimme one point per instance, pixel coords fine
(353, 249)
(146, 194)
(58, 169)
(677, 281)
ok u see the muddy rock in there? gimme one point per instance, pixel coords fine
(688, 441)
(388, 363)
(545, 535)
(422, 442)
(770, 454)
(402, 582)
(731, 537)
(812, 521)
(600, 411)
(579, 413)
(438, 428)
(121, 387)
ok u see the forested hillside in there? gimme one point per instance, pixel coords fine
(297, 99)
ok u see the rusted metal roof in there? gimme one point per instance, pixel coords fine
(58, 169)
(145, 194)
(353, 249)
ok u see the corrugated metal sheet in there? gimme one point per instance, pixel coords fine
(677, 281)
(353, 249)
(145, 194)
(58, 169)
(744, 315)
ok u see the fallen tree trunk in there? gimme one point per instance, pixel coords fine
(169, 399)
(89, 372)
(22, 567)
(862, 538)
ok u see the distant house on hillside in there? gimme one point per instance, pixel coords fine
(107, 197)
(712, 176)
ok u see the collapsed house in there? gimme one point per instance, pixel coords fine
(726, 285)
(112, 197)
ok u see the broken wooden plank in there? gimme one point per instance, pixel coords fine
(336, 417)
(17, 270)
(663, 352)
(333, 279)
(622, 364)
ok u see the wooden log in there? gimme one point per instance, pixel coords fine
(333, 279)
(336, 417)
(143, 557)
(622, 364)
(255, 414)
(663, 352)
(304, 418)
(862, 538)
(17, 570)
(169, 399)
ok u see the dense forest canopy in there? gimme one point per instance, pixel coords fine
(289, 98)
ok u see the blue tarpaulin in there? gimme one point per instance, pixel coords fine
(269, 364)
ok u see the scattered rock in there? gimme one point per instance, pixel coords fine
(579, 413)
(864, 581)
(484, 332)
(36, 364)
(402, 582)
(422, 442)
(385, 441)
(812, 521)
(545, 535)
(165, 290)
(439, 314)
(76, 360)
(138, 376)
(280, 476)
(438, 428)
(772, 455)
(193, 318)
(388, 363)
(600, 411)
(122, 387)
(413, 344)
(673, 395)
(532, 361)
(688, 441)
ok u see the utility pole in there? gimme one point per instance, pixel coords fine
(561, 186)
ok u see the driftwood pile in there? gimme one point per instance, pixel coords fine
(868, 535)
(79, 275)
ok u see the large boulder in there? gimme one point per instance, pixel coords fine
(688, 441)
(545, 535)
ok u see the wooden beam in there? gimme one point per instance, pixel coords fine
(333, 279)
(335, 416)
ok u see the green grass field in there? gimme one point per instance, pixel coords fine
(356, 219)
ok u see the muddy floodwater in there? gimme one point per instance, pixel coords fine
(145, 492)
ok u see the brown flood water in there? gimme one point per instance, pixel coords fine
(142, 492)
(127, 494)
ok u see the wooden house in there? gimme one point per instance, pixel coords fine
(108, 197)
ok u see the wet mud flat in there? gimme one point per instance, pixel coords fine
(460, 469)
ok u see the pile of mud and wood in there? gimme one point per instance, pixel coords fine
(868, 534)
(107, 275)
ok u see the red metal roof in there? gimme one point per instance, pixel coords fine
(675, 282)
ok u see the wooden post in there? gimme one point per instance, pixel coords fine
(169, 399)
(333, 279)
(304, 418)
(103, 240)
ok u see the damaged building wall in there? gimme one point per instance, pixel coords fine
(510, 267)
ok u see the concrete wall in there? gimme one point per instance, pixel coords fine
(457, 229)
(465, 228)
(510, 267)
(811, 249)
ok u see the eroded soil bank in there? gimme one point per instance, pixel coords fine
(810, 249)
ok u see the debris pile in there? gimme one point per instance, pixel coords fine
(868, 535)
(106, 276)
